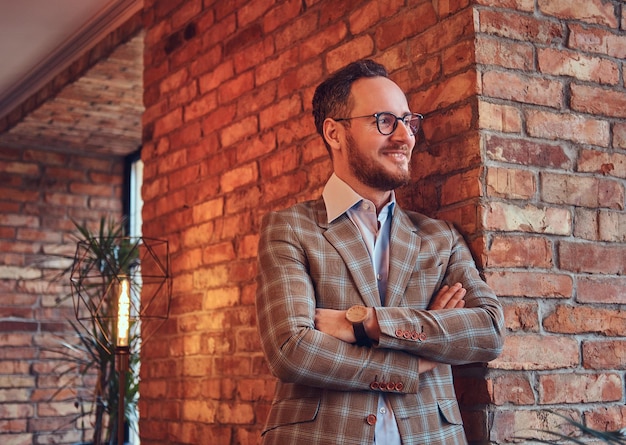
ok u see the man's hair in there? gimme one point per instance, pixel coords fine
(331, 98)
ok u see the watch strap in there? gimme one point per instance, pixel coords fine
(361, 336)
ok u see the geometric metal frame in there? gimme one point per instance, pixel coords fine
(99, 267)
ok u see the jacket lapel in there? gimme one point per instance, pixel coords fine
(346, 239)
(404, 248)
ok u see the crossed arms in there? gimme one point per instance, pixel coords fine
(333, 322)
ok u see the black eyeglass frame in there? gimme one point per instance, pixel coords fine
(395, 123)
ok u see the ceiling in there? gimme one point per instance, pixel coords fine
(40, 41)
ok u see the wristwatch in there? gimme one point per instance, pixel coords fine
(357, 315)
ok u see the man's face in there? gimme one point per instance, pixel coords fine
(377, 161)
(370, 169)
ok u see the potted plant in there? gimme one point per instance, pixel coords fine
(102, 259)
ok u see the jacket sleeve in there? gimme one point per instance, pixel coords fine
(285, 305)
(452, 336)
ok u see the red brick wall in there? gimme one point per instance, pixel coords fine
(39, 192)
(552, 114)
(524, 144)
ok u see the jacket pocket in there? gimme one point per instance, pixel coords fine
(292, 411)
(436, 413)
(449, 410)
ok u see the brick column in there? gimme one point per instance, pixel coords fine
(552, 122)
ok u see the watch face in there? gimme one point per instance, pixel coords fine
(356, 314)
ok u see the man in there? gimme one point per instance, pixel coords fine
(362, 306)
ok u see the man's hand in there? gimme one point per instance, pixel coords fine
(449, 297)
(333, 322)
(426, 365)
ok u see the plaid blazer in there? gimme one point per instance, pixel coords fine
(328, 389)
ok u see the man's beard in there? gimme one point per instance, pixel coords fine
(371, 173)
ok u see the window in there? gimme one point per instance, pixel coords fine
(133, 203)
(133, 199)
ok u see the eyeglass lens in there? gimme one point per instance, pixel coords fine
(388, 122)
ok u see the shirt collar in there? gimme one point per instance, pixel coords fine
(339, 197)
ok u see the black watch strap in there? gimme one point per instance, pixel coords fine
(361, 336)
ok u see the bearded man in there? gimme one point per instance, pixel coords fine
(362, 307)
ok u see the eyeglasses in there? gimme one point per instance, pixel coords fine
(388, 122)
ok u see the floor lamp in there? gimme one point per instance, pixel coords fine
(121, 285)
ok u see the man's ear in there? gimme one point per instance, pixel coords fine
(333, 133)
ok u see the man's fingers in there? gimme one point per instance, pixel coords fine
(448, 297)
(456, 298)
(426, 365)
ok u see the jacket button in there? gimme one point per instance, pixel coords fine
(371, 419)
(399, 386)
(399, 332)
(422, 336)
(374, 385)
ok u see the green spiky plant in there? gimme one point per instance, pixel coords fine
(614, 437)
(105, 254)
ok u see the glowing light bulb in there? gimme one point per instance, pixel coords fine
(123, 314)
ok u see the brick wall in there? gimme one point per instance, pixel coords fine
(552, 118)
(228, 136)
(524, 146)
(40, 191)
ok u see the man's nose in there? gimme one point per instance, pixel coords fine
(403, 133)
